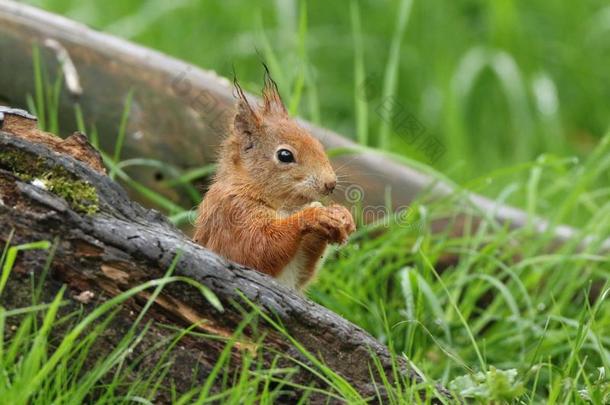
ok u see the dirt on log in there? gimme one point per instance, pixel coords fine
(105, 244)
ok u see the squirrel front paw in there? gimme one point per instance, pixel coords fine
(333, 223)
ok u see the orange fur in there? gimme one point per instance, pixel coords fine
(259, 211)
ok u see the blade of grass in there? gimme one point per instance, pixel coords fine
(390, 79)
(360, 96)
(11, 258)
(118, 146)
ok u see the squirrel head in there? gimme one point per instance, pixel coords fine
(272, 157)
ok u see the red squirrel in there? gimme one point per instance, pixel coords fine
(262, 208)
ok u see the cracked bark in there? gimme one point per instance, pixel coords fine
(123, 245)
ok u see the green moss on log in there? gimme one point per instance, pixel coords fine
(81, 195)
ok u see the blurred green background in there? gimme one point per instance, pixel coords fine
(496, 83)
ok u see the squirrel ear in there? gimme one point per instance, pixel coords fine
(246, 119)
(271, 96)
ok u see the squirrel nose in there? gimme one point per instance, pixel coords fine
(330, 186)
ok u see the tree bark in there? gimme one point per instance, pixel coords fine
(107, 244)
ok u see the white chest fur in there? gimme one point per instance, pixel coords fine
(291, 274)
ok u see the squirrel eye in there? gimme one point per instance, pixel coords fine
(285, 156)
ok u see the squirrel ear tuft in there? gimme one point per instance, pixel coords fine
(271, 96)
(246, 119)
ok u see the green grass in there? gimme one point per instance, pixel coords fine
(504, 304)
(517, 92)
(46, 354)
(509, 321)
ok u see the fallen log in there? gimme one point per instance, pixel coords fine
(182, 113)
(57, 190)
